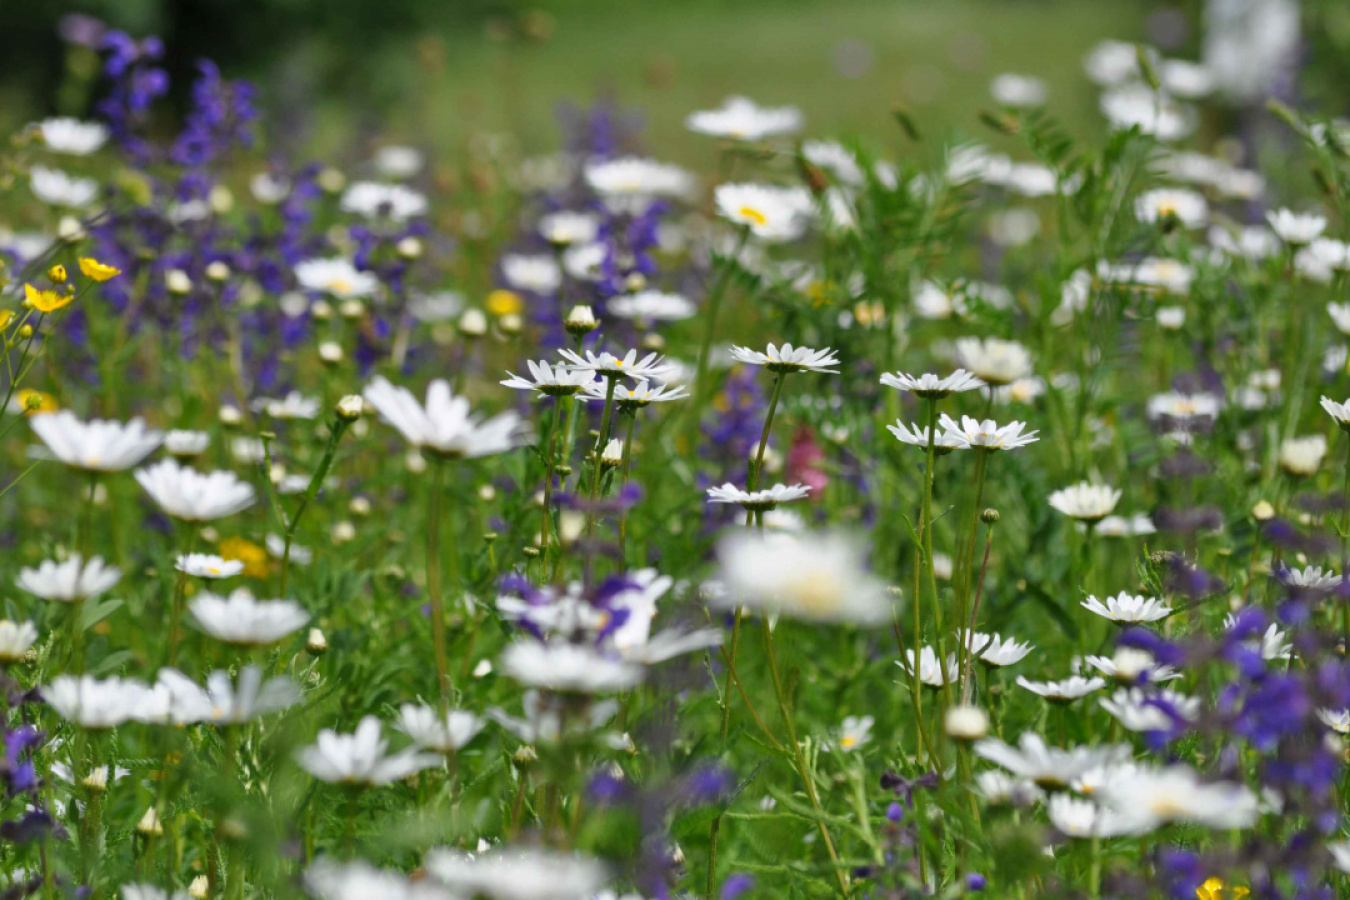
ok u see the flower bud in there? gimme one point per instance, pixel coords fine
(350, 407)
(410, 248)
(1263, 511)
(230, 415)
(612, 456)
(177, 281)
(966, 723)
(200, 888)
(531, 552)
(989, 516)
(149, 824)
(330, 352)
(359, 506)
(343, 531)
(316, 644)
(217, 271)
(511, 324)
(581, 320)
(473, 323)
(57, 274)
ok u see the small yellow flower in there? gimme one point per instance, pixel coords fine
(96, 270)
(45, 301)
(1214, 889)
(6, 317)
(31, 401)
(250, 554)
(504, 303)
(57, 274)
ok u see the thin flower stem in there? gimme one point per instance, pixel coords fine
(802, 769)
(545, 540)
(610, 382)
(968, 570)
(1345, 546)
(966, 679)
(752, 482)
(179, 596)
(928, 559)
(336, 431)
(433, 562)
(627, 460)
(715, 294)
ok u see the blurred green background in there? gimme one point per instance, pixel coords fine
(436, 72)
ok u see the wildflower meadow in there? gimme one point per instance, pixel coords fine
(945, 513)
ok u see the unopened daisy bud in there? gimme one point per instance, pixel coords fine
(415, 463)
(230, 415)
(343, 532)
(351, 309)
(70, 230)
(217, 271)
(359, 506)
(581, 320)
(473, 323)
(531, 552)
(409, 248)
(653, 342)
(330, 352)
(989, 516)
(511, 324)
(612, 455)
(57, 274)
(525, 757)
(490, 537)
(331, 180)
(483, 669)
(221, 199)
(149, 824)
(200, 888)
(677, 854)
(321, 310)
(177, 281)
(1263, 511)
(1130, 663)
(563, 471)
(487, 493)
(97, 780)
(966, 723)
(1171, 318)
(635, 282)
(316, 644)
(350, 407)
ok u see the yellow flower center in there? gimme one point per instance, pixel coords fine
(817, 592)
(340, 286)
(754, 215)
(848, 742)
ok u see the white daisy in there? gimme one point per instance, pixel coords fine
(1155, 797)
(639, 395)
(70, 581)
(656, 306)
(553, 380)
(987, 435)
(994, 650)
(57, 188)
(337, 277)
(1120, 526)
(836, 159)
(536, 274)
(1128, 609)
(1010, 89)
(361, 757)
(180, 700)
(359, 880)
(1066, 691)
(445, 425)
(294, 405)
(1085, 501)
(1130, 665)
(72, 136)
(770, 212)
(1303, 456)
(383, 201)
(1172, 205)
(207, 565)
(764, 499)
(1140, 710)
(993, 360)
(397, 161)
(567, 668)
(741, 119)
(443, 733)
(1340, 412)
(97, 445)
(1002, 789)
(93, 703)
(1338, 720)
(629, 183)
(243, 619)
(1048, 767)
(931, 672)
(193, 496)
(1295, 228)
(186, 444)
(817, 576)
(1076, 817)
(789, 359)
(943, 442)
(854, 732)
(650, 367)
(517, 873)
(930, 386)
(567, 227)
(16, 639)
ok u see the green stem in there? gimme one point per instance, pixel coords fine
(752, 483)
(802, 769)
(610, 382)
(714, 305)
(433, 561)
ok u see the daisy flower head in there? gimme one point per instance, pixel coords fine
(931, 672)
(816, 576)
(787, 358)
(357, 879)
(651, 305)
(186, 444)
(222, 701)
(930, 386)
(1338, 720)
(741, 119)
(337, 277)
(1077, 817)
(1128, 609)
(1297, 229)
(517, 873)
(1312, 578)
(567, 227)
(987, 435)
(1303, 456)
(444, 426)
(70, 581)
(568, 668)
(994, 360)
(1142, 711)
(551, 379)
(57, 188)
(1339, 412)
(1060, 692)
(650, 367)
(375, 200)
(1131, 666)
(854, 732)
(760, 500)
(193, 496)
(94, 703)
(1166, 206)
(441, 732)
(1001, 789)
(1150, 798)
(1048, 767)
(294, 405)
(72, 137)
(1018, 91)
(362, 757)
(97, 445)
(16, 639)
(632, 398)
(943, 442)
(207, 565)
(630, 183)
(996, 651)
(536, 274)
(1121, 526)
(771, 213)
(1340, 316)
(1086, 502)
(245, 620)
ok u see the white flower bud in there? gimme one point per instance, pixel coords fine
(966, 723)
(351, 407)
(473, 323)
(217, 271)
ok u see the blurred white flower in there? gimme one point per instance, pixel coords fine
(741, 119)
(383, 201)
(193, 496)
(445, 425)
(97, 445)
(1128, 609)
(57, 188)
(361, 757)
(243, 619)
(70, 581)
(771, 213)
